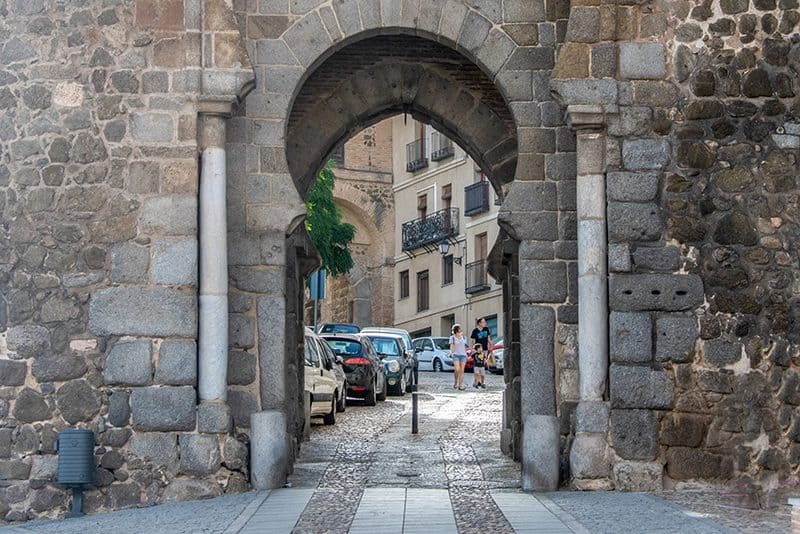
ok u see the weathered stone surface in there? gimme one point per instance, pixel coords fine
(685, 463)
(58, 367)
(722, 352)
(12, 373)
(78, 401)
(241, 368)
(199, 454)
(129, 264)
(628, 221)
(645, 154)
(213, 417)
(633, 434)
(163, 409)
(234, 454)
(242, 405)
(630, 337)
(118, 311)
(14, 470)
(170, 215)
(543, 282)
(159, 448)
(589, 456)
(119, 410)
(632, 186)
(191, 490)
(28, 340)
(675, 338)
(175, 263)
(736, 228)
(638, 476)
(640, 387)
(130, 364)
(684, 430)
(241, 331)
(642, 61)
(660, 292)
(177, 364)
(152, 127)
(591, 416)
(31, 407)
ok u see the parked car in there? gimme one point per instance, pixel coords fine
(327, 391)
(399, 366)
(338, 328)
(408, 346)
(433, 353)
(497, 350)
(366, 373)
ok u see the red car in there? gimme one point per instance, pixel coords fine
(471, 361)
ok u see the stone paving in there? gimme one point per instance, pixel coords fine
(368, 473)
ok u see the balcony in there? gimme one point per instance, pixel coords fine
(477, 278)
(441, 147)
(430, 230)
(476, 198)
(415, 156)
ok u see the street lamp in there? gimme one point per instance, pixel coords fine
(444, 248)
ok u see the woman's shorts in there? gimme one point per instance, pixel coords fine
(460, 358)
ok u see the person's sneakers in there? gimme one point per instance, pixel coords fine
(482, 385)
(462, 387)
(476, 386)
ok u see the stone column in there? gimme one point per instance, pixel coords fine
(589, 453)
(213, 413)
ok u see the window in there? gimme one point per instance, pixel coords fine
(311, 352)
(424, 333)
(447, 270)
(447, 196)
(423, 292)
(404, 290)
(447, 323)
(481, 246)
(491, 324)
(422, 206)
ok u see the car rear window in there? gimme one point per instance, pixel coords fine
(342, 347)
(385, 346)
(442, 343)
(340, 329)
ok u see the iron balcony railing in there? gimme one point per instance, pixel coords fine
(415, 156)
(441, 147)
(476, 198)
(430, 230)
(477, 278)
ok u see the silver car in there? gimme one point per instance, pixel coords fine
(433, 354)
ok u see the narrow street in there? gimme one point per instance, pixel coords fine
(457, 448)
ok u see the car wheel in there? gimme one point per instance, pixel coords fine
(342, 404)
(369, 396)
(437, 365)
(330, 418)
(382, 395)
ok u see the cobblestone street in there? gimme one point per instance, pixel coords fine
(368, 473)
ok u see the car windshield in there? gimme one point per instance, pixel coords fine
(442, 343)
(385, 346)
(340, 329)
(342, 347)
(498, 341)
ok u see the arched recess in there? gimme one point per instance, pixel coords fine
(378, 77)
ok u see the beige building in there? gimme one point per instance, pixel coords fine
(445, 225)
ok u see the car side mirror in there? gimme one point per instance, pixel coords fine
(339, 359)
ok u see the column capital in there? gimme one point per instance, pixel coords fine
(215, 106)
(590, 116)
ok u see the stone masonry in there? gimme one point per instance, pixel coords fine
(669, 129)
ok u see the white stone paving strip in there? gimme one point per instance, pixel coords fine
(429, 510)
(527, 514)
(380, 510)
(247, 513)
(279, 513)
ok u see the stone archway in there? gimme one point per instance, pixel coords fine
(476, 74)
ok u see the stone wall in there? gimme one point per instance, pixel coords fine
(98, 253)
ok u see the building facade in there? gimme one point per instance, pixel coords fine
(441, 197)
(154, 161)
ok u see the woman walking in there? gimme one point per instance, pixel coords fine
(458, 351)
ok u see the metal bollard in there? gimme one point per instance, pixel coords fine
(414, 412)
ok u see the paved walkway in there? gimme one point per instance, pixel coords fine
(369, 475)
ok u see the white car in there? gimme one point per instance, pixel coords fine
(497, 352)
(324, 385)
(433, 353)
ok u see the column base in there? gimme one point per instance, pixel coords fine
(588, 458)
(540, 453)
(269, 450)
(213, 417)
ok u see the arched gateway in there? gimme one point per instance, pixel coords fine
(646, 158)
(477, 74)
